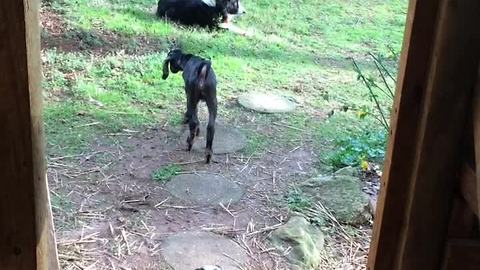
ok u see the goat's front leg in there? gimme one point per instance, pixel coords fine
(187, 115)
(212, 116)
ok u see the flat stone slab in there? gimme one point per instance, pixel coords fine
(192, 250)
(266, 103)
(226, 140)
(304, 241)
(342, 194)
(204, 189)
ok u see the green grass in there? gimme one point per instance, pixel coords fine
(298, 201)
(165, 173)
(64, 211)
(304, 56)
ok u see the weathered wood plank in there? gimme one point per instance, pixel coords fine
(468, 187)
(476, 136)
(26, 229)
(462, 255)
(463, 222)
(411, 82)
(437, 74)
(437, 161)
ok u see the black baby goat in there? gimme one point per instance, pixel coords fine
(200, 84)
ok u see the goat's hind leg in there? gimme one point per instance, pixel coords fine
(193, 131)
(193, 124)
(212, 115)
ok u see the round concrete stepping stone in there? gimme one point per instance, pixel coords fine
(267, 103)
(204, 189)
(226, 140)
(192, 250)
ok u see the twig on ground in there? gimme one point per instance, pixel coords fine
(265, 229)
(126, 242)
(281, 124)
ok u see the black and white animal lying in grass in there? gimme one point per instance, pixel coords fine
(203, 13)
(200, 84)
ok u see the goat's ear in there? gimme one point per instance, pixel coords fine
(165, 68)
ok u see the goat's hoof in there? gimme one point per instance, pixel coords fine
(208, 156)
(189, 144)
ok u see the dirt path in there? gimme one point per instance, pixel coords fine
(117, 216)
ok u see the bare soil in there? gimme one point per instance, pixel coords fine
(56, 33)
(116, 209)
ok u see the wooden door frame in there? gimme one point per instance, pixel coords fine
(27, 239)
(438, 71)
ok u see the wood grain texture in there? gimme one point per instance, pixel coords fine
(468, 187)
(462, 255)
(463, 222)
(476, 135)
(26, 229)
(436, 77)
(411, 82)
(437, 161)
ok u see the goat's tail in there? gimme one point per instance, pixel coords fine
(202, 75)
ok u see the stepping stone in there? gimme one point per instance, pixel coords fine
(266, 103)
(192, 250)
(304, 241)
(226, 140)
(204, 189)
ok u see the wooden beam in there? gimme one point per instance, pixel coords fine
(468, 187)
(439, 65)
(26, 229)
(476, 135)
(414, 66)
(463, 222)
(462, 255)
(452, 77)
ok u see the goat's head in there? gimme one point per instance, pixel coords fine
(174, 60)
(232, 6)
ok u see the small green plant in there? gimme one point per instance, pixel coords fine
(298, 201)
(166, 173)
(352, 150)
(375, 88)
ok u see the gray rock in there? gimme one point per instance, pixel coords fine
(227, 140)
(342, 195)
(305, 241)
(267, 103)
(192, 250)
(204, 189)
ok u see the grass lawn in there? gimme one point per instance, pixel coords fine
(299, 49)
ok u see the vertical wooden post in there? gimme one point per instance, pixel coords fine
(439, 67)
(476, 135)
(26, 229)
(413, 70)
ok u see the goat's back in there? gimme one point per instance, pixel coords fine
(191, 74)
